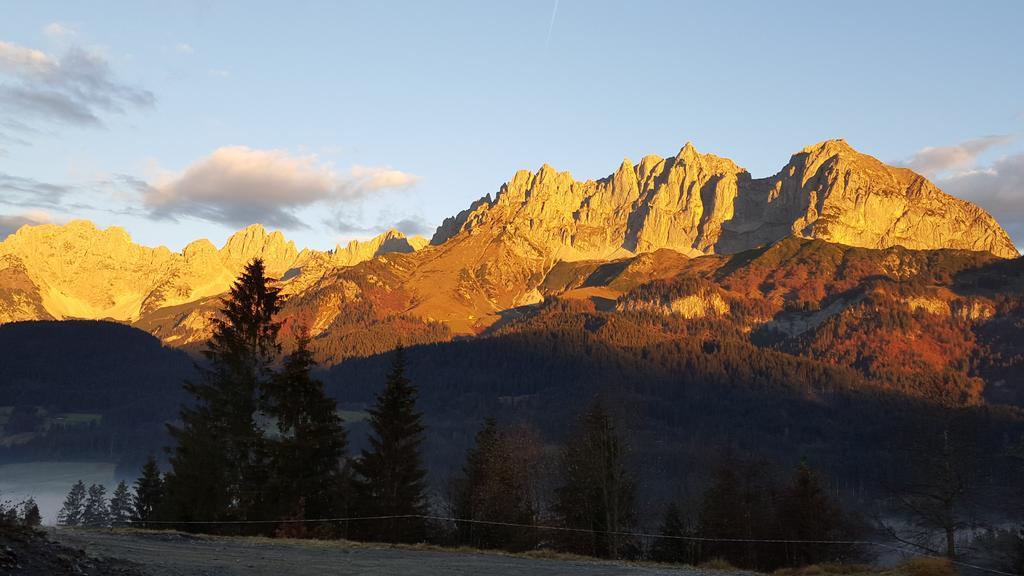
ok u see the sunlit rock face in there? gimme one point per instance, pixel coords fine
(702, 204)
(79, 271)
(358, 251)
(502, 253)
(831, 192)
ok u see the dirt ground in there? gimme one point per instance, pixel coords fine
(28, 552)
(177, 554)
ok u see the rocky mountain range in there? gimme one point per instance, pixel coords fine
(78, 271)
(543, 237)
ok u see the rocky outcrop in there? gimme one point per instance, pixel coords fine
(701, 304)
(279, 255)
(79, 271)
(499, 253)
(390, 241)
(20, 298)
(701, 204)
(831, 192)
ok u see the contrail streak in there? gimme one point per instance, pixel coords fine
(551, 25)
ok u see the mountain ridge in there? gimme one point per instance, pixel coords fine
(701, 203)
(77, 270)
(496, 256)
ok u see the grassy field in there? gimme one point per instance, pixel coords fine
(49, 482)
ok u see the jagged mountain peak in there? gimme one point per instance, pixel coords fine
(494, 255)
(253, 241)
(830, 147)
(390, 241)
(77, 270)
(699, 203)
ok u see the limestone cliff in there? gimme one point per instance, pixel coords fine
(79, 271)
(701, 204)
(390, 241)
(501, 252)
(831, 192)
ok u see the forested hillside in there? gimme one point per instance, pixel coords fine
(86, 390)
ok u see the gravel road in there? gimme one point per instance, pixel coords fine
(176, 554)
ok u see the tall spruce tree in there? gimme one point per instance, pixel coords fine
(391, 477)
(149, 492)
(807, 512)
(218, 469)
(672, 547)
(30, 513)
(308, 456)
(741, 504)
(96, 513)
(598, 491)
(74, 506)
(466, 488)
(493, 492)
(121, 509)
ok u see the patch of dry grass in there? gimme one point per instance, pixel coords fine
(925, 567)
(717, 564)
(828, 569)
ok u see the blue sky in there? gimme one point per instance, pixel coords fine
(336, 120)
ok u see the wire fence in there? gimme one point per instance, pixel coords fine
(882, 545)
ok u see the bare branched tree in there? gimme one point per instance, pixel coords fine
(939, 496)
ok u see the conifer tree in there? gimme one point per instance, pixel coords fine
(96, 513)
(121, 509)
(307, 457)
(467, 487)
(30, 513)
(219, 464)
(598, 491)
(9, 514)
(492, 488)
(808, 513)
(149, 492)
(391, 478)
(741, 504)
(74, 506)
(672, 548)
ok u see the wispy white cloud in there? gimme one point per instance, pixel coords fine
(76, 87)
(21, 191)
(238, 185)
(9, 224)
(935, 160)
(551, 25)
(184, 48)
(60, 31)
(353, 226)
(375, 177)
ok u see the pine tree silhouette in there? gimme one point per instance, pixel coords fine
(218, 469)
(96, 513)
(598, 491)
(391, 477)
(30, 513)
(308, 477)
(808, 513)
(672, 548)
(121, 509)
(149, 492)
(466, 498)
(493, 488)
(74, 506)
